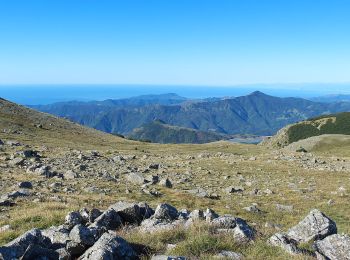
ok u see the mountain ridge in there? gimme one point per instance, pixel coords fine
(256, 113)
(160, 132)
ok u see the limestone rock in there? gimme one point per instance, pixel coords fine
(73, 218)
(109, 247)
(286, 243)
(108, 220)
(129, 212)
(314, 226)
(166, 211)
(334, 247)
(16, 248)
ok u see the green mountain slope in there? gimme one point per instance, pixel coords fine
(159, 132)
(330, 124)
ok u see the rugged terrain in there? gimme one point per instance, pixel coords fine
(51, 167)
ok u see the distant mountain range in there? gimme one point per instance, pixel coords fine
(332, 98)
(257, 113)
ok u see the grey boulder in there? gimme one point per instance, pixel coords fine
(73, 218)
(314, 226)
(335, 247)
(17, 248)
(129, 212)
(109, 220)
(110, 247)
(286, 243)
(166, 212)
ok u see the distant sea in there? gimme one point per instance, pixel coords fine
(46, 94)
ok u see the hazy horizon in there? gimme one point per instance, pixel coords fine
(51, 93)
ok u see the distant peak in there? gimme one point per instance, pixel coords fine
(257, 93)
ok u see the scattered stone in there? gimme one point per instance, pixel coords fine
(154, 166)
(200, 192)
(69, 175)
(136, 178)
(301, 150)
(109, 220)
(166, 211)
(73, 218)
(285, 208)
(82, 235)
(5, 228)
(229, 255)
(129, 212)
(12, 143)
(152, 179)
(45, 171)
(224, 222)
(59, 236)
(286, 243)
(314, 226)
(152, 225)
(252, 208)
(196, 215)
(18, 193)
(145, 210)
(16, 161)
(5, 202)
(234, 189)
(110, 246)
(330, 202)
(210, 214)
(25, 185)
(243, 233)
(334, 247)
(17, 248)
(94, 214)
(166, 183)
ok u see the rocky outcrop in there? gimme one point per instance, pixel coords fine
(91, 234)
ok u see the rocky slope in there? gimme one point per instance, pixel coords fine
(72, 191)
(330, 124)
(93, 234)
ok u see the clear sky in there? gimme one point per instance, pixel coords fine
(210, 42)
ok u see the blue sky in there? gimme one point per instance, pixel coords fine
(191, 42)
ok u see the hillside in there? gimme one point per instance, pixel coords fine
(329, 144)
(21, 123)
(330, 124)
(257, 114)
(160, 132)
(70, 192)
